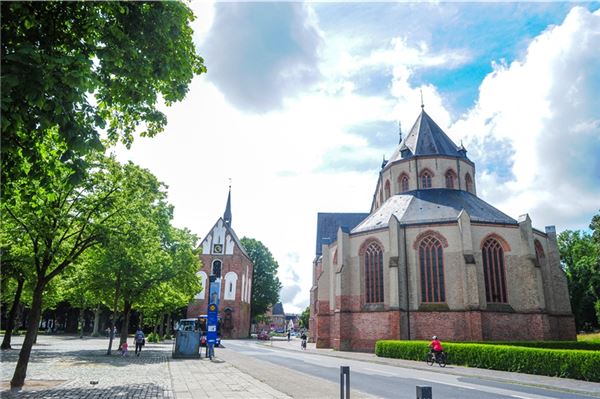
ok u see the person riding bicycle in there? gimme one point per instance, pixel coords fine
(303, 338)
(436, 346)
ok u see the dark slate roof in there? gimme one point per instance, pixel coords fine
(426, 138)
(277, 309)
(329, 223)
(433, 206)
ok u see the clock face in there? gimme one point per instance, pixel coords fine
(218, 248)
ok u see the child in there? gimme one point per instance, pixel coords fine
(124, 348)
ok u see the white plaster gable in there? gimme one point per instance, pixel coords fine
(206, 244)
(229, 244)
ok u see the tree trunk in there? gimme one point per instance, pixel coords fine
(12, 314)
(141, 322)
(96, 333)
(155, 330)
(169, 324)
(114, 317)
(161, 328)
(18, 378)
(125, 327)
(80, 322)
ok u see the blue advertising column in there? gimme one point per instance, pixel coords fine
(212, 316)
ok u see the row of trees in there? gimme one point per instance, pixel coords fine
(580, 257)
(75, 222)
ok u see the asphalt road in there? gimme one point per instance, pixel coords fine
(391, 381)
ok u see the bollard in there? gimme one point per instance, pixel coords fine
(424, 392)
(345, 371)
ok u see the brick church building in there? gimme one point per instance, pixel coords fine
(432, 258)
(224, 257)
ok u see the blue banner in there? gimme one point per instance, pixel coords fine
(215, 291)
(212, 321)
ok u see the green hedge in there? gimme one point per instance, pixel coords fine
(577, 345)
(578, 364)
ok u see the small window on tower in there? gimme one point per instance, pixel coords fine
(426, 179)
(450, 176)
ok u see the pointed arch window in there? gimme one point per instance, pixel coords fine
(387, 189)
(373, 269)
(216, 268)
(494, 271)
(450, 178)
(469, 183)
(403, 182)
(431, 260)
(539, 253)
(426, 176)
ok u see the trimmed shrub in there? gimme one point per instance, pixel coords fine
(152, 337)
(578, 364)
(577, 345)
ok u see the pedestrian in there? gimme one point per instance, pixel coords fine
(107, 332)
(289, 333)
(124, 347)
(114, 332)
(139, 341)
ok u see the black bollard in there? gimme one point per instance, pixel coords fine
(345, 371)
(424, 392)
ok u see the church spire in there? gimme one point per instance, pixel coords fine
(227, 214)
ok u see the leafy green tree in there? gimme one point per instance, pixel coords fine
(176, 293)
(60, 221)
(15, 254)
(305, 317)
(84, 67)
(265, 283)
(580, 256)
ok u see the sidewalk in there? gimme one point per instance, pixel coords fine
(68, 367)
(554, 383)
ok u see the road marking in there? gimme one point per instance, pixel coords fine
(379, 372)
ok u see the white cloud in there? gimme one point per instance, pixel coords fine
(258, 54)
(546, 108)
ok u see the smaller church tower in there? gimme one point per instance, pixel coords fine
(224, 257)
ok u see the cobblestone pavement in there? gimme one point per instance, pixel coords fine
(70, 367)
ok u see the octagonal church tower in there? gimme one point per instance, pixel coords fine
(432, 258)
(224, 257)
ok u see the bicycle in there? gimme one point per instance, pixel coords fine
(439, 358)
(303, 344)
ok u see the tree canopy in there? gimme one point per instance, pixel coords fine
(580, 257)
(265, 283)
(83, 67)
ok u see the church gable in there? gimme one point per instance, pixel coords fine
(221, 240)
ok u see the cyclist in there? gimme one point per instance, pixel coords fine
(436, 346)
(303, 343)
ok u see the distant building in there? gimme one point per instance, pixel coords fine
(277, 316)
(432, 258)
(224, 257)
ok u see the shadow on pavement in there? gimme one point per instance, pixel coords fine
(93, 392)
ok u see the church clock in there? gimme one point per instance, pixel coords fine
(218, 248)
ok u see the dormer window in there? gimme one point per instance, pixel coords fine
(469, 183)
(426, 176)
(450, 177)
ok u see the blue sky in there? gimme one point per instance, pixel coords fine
(303, 100)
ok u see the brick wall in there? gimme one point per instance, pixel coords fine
(240, 311)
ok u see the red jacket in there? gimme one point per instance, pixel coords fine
(436, 345)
